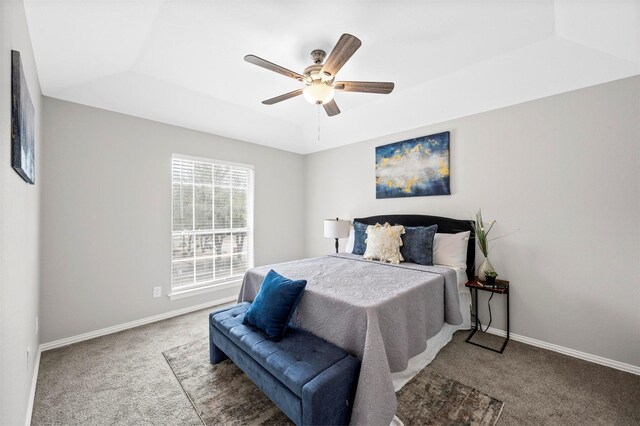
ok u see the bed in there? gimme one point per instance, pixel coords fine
(394, 318)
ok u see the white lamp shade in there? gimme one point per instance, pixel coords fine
(336, 228)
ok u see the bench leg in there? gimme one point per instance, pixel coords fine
(215, 354)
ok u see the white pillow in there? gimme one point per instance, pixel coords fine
(451, 249)
(350, 240)
(383, 243)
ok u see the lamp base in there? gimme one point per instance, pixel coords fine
(336, 245)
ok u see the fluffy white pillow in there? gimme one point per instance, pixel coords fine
(383, 243)
(451, 249)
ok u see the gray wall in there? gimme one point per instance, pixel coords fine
(19, 227)
(564, 172)
(106, 214)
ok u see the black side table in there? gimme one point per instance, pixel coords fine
(476, 285)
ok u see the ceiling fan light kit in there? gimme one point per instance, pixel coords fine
(318, 93)
(319, 78)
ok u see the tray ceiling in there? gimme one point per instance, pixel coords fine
(181, 62)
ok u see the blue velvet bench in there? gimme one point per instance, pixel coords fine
(311, 380)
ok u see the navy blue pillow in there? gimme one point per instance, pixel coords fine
(274, 304)
(359, 237)
(417, 244)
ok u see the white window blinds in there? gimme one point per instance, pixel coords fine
(212, 228)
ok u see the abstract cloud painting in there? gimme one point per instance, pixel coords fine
(413, 168)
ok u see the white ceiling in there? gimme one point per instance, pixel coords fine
(181, 62)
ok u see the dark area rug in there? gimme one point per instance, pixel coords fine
(222, 394)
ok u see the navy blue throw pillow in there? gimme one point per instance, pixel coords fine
(417, 244)
(359, 237)
(274, 304)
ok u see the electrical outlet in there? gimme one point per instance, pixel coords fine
(37, 325)
(28, 357)
(157, 291)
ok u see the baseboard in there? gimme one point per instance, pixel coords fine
(32, 392)
(633, 369)
(103, 332)
(148, 320)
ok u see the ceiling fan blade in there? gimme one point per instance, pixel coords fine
(364, 86)
(331, 108)
(343, 50)
(272, 67)
(283, 97)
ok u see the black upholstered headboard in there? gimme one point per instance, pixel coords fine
(446, 225)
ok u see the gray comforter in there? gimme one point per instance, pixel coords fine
(381, 313)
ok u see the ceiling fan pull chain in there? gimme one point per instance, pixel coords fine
(318, 108)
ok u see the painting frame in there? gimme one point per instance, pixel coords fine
(417, 167)
(22, 123)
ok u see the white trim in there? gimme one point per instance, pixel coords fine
(132, 324)
(211, 161)
(32, 392)
(181, 294)
(633, 369)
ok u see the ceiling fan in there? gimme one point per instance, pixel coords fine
(319, 78)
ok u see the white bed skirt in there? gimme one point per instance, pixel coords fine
(434, 344)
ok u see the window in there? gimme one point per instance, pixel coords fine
(212, 229)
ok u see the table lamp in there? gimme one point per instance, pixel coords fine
(336, 229)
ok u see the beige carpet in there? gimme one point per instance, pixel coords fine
(223, 394)
(123, 379)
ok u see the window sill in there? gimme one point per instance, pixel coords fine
(181, 294)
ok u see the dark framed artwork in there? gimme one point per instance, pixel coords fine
(413, 168)
(22, 123)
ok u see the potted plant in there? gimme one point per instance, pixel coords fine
(490, 277)
(482, 238)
